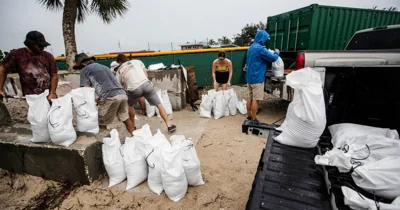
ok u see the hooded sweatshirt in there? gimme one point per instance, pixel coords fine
(257, 58)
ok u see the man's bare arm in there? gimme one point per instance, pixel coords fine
(53, 83)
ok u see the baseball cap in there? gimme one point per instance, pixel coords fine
(38, 38)
(113, 65)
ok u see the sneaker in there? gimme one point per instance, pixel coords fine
(248, 118)
(171, 128)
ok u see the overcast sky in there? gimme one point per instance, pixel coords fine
(158, 22)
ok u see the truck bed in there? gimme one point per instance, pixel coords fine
(288, 178)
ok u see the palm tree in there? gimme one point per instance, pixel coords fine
(224, 40)
(212, 42)
(76, 11)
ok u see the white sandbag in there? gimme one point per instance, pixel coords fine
(219, 105)
(191, 163)
(232, 102)
(60, 117)
(206, 105)
(356, 201)
(87, 119)
(166, 102)
(342, 132)
(305, 119)
(278, 68)
(381, 177)
(359, 150)
(227, 97)
(173, 176)
(135, 163)
(177, 140)
(156, 66)
(150, 110)
(152, 151)
(37, 116)
(112, 158)
(242, 106)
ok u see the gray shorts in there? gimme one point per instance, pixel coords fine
(146, 90)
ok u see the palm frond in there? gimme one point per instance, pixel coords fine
(55, 5)
(82, 10)
(108, 10)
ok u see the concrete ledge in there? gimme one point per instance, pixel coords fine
(81, 162)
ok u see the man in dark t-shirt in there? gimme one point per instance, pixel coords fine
(36, 68)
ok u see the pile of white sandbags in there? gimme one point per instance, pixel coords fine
(221, 103)
(54, 123)
(165, 101)
(168, 168)
(371, 154)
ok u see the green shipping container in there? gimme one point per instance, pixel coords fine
(319, 27)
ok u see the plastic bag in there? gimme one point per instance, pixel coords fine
(306, 118)
(135, 163)
(219, 105)
(359, 151)
(356, 201)
(173, 175)
(381, 177)
(191, 163)
(37, 116)
(345, 131)
(86, 110)
(206, 104)
(150, 110)
(166, 102)
(232, 102)
(112, 158)
(242, 106)
(227, 97)
(152, 151)
(278, 68)
(60, 121)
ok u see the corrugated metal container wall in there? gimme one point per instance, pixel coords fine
(201, 61)
(319, 27)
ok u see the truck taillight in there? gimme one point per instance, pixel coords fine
(300, 61)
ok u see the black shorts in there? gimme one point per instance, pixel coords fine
(222, 77)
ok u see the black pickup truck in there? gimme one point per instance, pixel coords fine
(288, 178)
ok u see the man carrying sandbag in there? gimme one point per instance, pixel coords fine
(132, 76)
(112, 97)
(256, 67)
(36, 68)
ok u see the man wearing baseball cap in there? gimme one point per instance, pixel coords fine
(36, 68)
(113, 101)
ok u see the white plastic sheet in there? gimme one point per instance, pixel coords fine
(60, 117)
(112, 158)
(87, 119)
(37, 116)
(305, 119)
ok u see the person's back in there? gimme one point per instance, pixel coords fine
(102, 79)
(257, 58)
(132, 74)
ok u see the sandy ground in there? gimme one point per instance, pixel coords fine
(228, 162)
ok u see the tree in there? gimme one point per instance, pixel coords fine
(248, 32)
(1, 55)
(212, 42)
(76, 11)
(224, 40)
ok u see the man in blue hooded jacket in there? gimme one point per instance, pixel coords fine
(256, 67)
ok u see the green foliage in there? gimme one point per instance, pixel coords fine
(248, 32)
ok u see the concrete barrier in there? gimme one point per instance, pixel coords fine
(79, 163)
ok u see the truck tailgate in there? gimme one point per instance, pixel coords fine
(288, 178)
